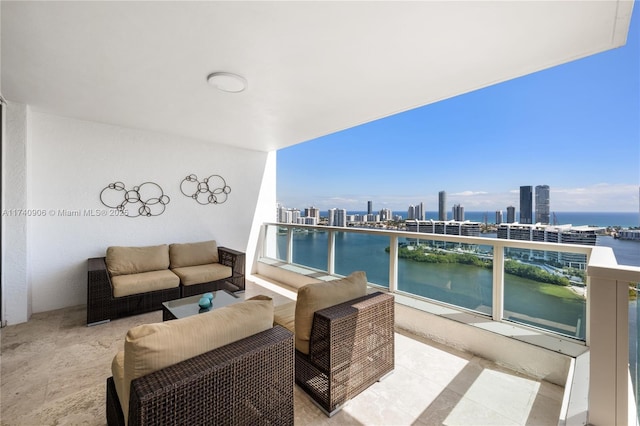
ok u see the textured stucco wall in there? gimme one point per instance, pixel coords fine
(71, 161)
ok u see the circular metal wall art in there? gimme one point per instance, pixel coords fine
(211, 190)
(146, 199)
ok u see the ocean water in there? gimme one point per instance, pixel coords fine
(627, 252)
(604, 219)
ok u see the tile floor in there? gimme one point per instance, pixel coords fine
(53, 371)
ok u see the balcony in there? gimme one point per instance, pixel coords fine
(54, 370)
(469, 364)
(581, 343)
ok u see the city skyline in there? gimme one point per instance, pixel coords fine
(575, 127)
(370, 206)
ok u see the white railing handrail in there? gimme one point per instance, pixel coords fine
(602, 263)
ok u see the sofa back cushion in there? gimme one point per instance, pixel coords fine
(316, 296)
(134, 260)
(152, 347)
(193, 254)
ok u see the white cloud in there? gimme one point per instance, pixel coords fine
(599, 197)
(469, 193)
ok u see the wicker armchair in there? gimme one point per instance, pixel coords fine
(248, 382)
(351, 347)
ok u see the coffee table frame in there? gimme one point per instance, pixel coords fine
(188, 306)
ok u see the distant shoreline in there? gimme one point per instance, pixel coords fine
(598, 219)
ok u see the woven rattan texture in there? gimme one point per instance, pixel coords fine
(351, 347)
(102, 306)
(248, 382)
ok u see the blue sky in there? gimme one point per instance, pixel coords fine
(575, 127)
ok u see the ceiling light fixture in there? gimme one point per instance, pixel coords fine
(227, 82)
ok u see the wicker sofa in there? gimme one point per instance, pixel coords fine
(227, 366)
(344, 339)
(134, 280)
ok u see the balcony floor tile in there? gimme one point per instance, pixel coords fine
(53, 371)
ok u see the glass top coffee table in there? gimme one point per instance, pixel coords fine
(187, 306)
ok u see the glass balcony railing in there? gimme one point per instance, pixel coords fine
(541, 288)
(449, 272)
(309, 247)
(539, 291)
(363, 252)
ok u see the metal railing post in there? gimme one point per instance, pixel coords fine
(498, 283)
(289, 245)
(331, 254)
(393, 263)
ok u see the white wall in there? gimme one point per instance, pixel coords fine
(265, 209)
(71, 161)
(16, 291)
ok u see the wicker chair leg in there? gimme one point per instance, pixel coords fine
(114, 409)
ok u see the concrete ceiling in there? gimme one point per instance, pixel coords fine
(313, 68)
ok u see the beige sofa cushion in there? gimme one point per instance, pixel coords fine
(313, 297)
(151, 347)
(125, 285)
(190, 275)
(192, 254)
(133, 260)
(285, 315)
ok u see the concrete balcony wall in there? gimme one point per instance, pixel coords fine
(289, 278)
(534, 361)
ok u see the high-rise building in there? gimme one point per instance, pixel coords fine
(386, 214)
(567, 234)
(337, 217)
(420, 212)
(416, 212)
(511, 214)
(542, 204)
(498, 217)
(369, 207)
(458, 212)
(526, 204)
(312, 212)
(450, 227)
(286, 215)
(442, 205)
(308, 220)
(411, 212)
